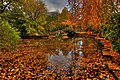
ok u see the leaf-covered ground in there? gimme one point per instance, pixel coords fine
(31, 61)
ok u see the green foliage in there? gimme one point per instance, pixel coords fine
(52, 22)
(111, 30)
(34, 29)
(32, 32)
(52, 18)
(51, 27)
(17, 20)
(23, 30)
(116, 45)
(110, 27)
(34, 9)
(8, 36)
(35, 13)
(27, 19)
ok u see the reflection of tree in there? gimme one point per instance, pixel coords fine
(68, 57)
(62, 63)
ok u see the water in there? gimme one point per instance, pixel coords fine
(66, 57)
(63, 63)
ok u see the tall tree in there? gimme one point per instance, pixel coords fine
(64, 15)
(65, 18)
(35, 12)
(34, 8)
(75, 8)
(90, 12)
(8, 4)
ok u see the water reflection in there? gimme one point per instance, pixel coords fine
(80, 43)
(81, 53)
(64, 63)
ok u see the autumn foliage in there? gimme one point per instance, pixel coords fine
(90, 12)
(53, 48)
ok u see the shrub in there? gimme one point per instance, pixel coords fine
(9, 37)
(32, 32)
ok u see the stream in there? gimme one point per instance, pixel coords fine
(67, 54)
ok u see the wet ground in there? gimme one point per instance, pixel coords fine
(59, 59)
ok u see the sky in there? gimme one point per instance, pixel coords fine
(53, 5)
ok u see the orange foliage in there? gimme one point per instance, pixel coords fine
(68, 22)
(89, 10)
(91, 13)
(32, 61)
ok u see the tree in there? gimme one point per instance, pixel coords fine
(35, 13)
(34, 9)
(102, 14)
(9, 37)
(75, 6)
(89, 12)
(64, 15)
(8, 5)
(15, 16)
(24, 15)
(86, 12)
(52, 21)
